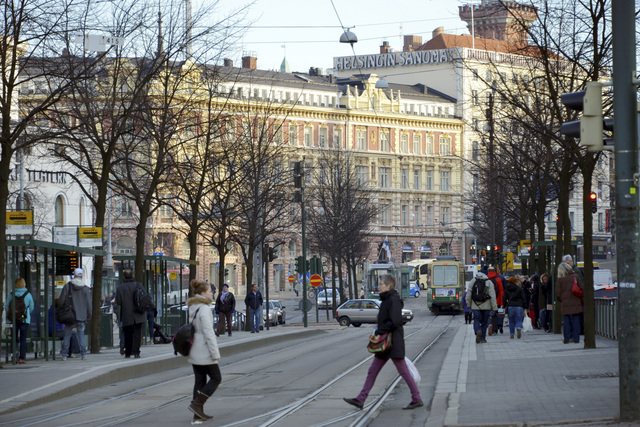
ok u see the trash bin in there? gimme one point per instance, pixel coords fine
(106, 330)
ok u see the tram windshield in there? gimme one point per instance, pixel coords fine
(445, 275)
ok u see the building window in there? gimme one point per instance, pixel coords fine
(445, 185)
(428, 145)
(600, 221)
(416, 143)
(59, 212)
(416, 216)
(362, 174)
(475, 150)
(308, 134)
(475, 183)
(230, 129)
(404, 143)
(384, 214)
(404, 215)
(430, 216)
(385, 177)
(429, 181)
(384, 141)
(446, 217)
(322, 137)
(293, 134)
(474, 74)
(405, 178)
(361, 138)
(474, 97)
(337, 138)
(416, 179)
(445, 146)
(277, 135)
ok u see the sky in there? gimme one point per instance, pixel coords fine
(308, 32)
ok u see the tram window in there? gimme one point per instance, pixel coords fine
(444, 275)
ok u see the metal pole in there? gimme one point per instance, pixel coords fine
(265, 256)
(303, 267)
(626, 160)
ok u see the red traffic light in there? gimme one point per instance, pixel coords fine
(593, 196)
(497, 248)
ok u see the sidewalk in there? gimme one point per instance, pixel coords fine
(536, 380)
(40, 381)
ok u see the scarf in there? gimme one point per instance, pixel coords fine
(223, 295)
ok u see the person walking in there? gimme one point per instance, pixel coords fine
(481, 305)
(81, 301)
(253, 301)
(204, 354)
(545, 301)
(570, 305)
(389, 321)
(24, 306)
(225, 307)
(516, 306)
(131, 319)
(468, 316)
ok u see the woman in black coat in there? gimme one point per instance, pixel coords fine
(389, 321)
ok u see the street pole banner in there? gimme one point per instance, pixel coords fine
(89, 236)
(19, 222)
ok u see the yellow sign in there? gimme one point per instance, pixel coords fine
(525, 242)
(173, 275)
(90, 232)
(60, 282)
(20, 218)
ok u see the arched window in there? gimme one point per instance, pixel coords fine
(81, 212)
(59, 212)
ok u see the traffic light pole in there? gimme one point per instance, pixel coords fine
(627, 227)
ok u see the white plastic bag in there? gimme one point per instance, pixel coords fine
(526, 324)
(412, 368)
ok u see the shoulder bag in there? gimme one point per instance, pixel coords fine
(575, 289)
(379, 344)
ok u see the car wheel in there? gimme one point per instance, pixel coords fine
(356, 325)
(417, 294)
(344, 321)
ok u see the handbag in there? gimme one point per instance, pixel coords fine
(183, 338)
(379, 344)
(575, 289)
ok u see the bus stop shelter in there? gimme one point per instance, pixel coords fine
(43, 266)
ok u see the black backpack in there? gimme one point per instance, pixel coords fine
(21, 309)
(479, 292)
(142, 301)
(183, 338)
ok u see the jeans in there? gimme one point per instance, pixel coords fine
(254, 318)
(543, 319)
(402, 369)
(571, 327)
(66, 341)
(201, 384)
(515, 318)
(481, 322)
(21, 338)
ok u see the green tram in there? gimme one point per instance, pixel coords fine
(402, 272)
(447, 285)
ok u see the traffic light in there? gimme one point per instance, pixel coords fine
(226, 271)
(594, 202)
(307, 266)
(590, 127)
(271, 254)
(297, 174)
(298, 264)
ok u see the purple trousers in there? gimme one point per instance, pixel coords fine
(374, 370)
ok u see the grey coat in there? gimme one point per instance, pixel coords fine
(124, 300)
(490, 304)
(204, 350)
(81, 297)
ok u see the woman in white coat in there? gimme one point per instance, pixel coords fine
(204, 354)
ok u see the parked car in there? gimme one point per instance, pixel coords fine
(277, 315)
(358, 311)
(414, 291)
(325, 298)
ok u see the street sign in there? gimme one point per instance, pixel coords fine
(315, 280)
(300, 277)
(291, 278)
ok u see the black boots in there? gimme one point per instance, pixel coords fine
(197, 406)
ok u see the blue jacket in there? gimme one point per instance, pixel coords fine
(28, 302)
(253, 300)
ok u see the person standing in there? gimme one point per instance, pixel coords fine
(253, 301)
(516, 306)
(23, 320)
(132, 320)
(389, 321)
(482, 309)
(545, 301)
(571, 305)
(225, 306)
(495, 321)
(81, 301)
(204, 354)
(468, 317)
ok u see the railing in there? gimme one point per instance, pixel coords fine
(606, 317)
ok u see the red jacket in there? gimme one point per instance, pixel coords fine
(500, 289)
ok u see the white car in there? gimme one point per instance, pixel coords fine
(277, 315)
(325, 298)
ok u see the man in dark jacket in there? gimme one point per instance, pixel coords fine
(253, 301)
(132, 321)
(81, 299)
(225, 306)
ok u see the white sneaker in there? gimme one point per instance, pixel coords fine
(64, 358)
(84, 357)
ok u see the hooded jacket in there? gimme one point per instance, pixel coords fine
(514, 297)
(28, 304)
(492, 275)
(204, 349)
(489, 304)
(390, 320)
(81, 297)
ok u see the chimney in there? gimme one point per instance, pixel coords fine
(412, 43)
(228, 62)
(385, 48)
(250, 62)
(437, 32)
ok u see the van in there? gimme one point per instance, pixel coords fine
(602, 278)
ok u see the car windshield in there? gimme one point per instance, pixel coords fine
(276, 304)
